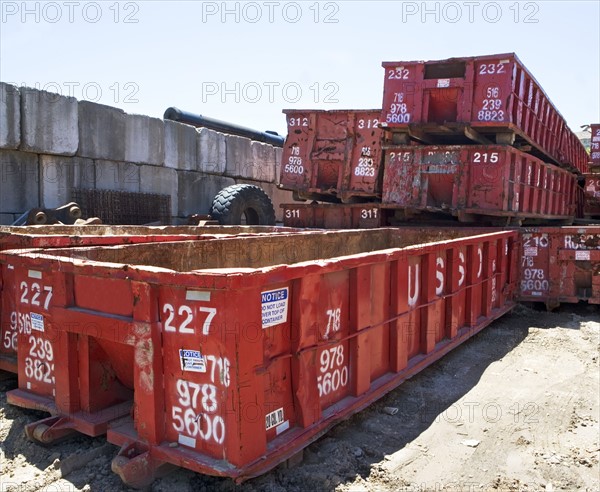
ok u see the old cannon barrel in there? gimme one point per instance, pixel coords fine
(222, 126)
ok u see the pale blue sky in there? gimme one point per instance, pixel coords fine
(185, 53)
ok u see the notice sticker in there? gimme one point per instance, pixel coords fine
(532, 251)
(579, 255)
(443, 83)
(274, 307)
(273, 419)
(37, 321)
(192, 360)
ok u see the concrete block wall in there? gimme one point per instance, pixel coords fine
(50, 144)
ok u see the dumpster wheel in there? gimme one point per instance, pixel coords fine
(243, 204)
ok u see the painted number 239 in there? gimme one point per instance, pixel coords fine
(180, 320)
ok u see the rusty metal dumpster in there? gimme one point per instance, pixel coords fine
(333, 155)
(560, 264)
(471, 181)
(239, 353)
(333, 215)
(68, 236)
(595, 148)
(486, 99)
(592, 196)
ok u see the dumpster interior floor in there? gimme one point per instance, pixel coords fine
(516, 408)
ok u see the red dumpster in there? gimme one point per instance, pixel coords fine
(560, 264)
(592, 196)
(333, 216)
(67, 236)
(488, 99)
(239, 353)
(595, 147)
(333, 154)
(471, 181)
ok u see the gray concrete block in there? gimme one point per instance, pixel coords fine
(197, 190)
(239, 157)
(264, 162)
(7, 219)
(117, 176)
(278, 157)
(59, 175)
(144, 140)
(154, 179)
(212, 151)
(180, 146)
(19, 181)
(10, 116)
(48, 123)
(101, 132)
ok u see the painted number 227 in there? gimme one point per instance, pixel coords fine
(180, 320)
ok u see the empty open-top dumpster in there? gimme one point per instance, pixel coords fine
(234, 354)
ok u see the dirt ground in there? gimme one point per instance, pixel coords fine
(516, 408)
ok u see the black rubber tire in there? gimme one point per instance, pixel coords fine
(243, 204)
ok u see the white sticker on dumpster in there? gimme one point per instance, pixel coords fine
(37, 321)
(531, 251)
(274, 307)
(192, 360)
(274, 418)
(579, 255)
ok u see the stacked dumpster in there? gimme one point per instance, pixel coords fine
(475, 139)
(592, 179)
(460, 142)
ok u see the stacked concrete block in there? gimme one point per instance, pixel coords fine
(160, 180)
(54, 144)
(144, 140)
(278, 157)
(212, 151)
(264, 162)
(19, 181)
(180, 146)
(197, 190)
(49, 123)
(101, 132)
(240, 161)
(59, 175)
(117, 176)
(10, 116)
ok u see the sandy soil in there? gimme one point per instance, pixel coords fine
(516, 408)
